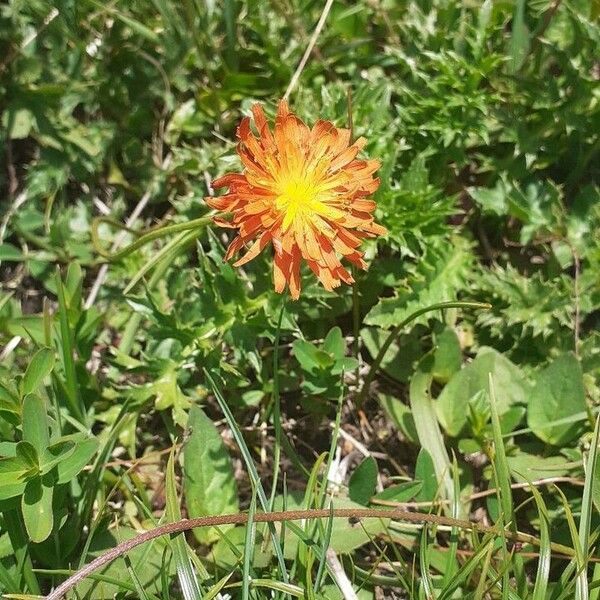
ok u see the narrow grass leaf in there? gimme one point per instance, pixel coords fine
(587, 507)
(252, 472)
(502, 476)
(249, 548)
(543, 567)
(187, 578)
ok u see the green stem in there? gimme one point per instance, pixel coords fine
(151, 234)
(276, 407)
(396, 332)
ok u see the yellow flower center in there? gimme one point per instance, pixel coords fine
(298, 199)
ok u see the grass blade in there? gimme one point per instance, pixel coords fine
(587, 507)
(262, 497)
(187, 578)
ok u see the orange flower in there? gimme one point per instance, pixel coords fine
(304, 191)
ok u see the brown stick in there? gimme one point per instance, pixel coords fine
(272, 517)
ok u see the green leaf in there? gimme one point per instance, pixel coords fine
(209, 484)
(519, 39)
(363, 481)
(55, 454)
(401, 492)
(15, 470)
(529, 467)
(18, 122)
(35, 423)
(310, 357)
(425, 473)
(10, 253)
(511, 388)
(36, 506)
(41, 366)
(439, 276)
(28, 454)
(71, 465)
(427, 426)
(447, 356)
(558, 394)
(334, 343)
(185, 573)
(399, 359)
(401, 416)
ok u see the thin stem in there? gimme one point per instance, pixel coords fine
(309, 49)
(276, 407)
(151, 234)
(292, 515)
(396, 332)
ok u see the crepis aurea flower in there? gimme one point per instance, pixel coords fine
(303, 191)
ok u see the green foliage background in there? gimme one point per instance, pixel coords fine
(486, 118)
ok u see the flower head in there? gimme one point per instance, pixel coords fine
(304, 191)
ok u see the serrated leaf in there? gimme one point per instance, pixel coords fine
(439, 276)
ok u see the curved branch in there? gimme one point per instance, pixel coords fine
(291, 515)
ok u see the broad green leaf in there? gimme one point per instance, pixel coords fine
(55, 454)
(399, 359)
(9, 253)
(558, 394)
(41, 365)
(425, 473)
(529, 467)
(447, 355)
(511, 388)
(13, 473)
(28, 454)
(334, 343)
(36, 506)
(208, 480)
(426, 424)
(74, 462)
(35, 423)
(310, 357)
(401, 416)
(401, 492)
(361, 486)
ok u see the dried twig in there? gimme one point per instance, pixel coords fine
(309, 49)
(292, 515)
